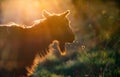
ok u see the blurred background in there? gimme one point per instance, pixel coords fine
(96, 24)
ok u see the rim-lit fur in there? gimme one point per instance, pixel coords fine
(19, 45)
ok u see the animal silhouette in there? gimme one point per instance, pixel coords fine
(19, 45)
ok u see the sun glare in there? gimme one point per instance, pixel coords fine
(26, 11)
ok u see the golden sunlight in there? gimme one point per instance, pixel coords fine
(40, 38)
(26, 11)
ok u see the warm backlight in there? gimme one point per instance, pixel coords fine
(26, 11)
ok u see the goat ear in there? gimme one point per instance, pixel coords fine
(65, 13)
(45, 13)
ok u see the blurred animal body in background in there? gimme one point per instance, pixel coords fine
(19, 44)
